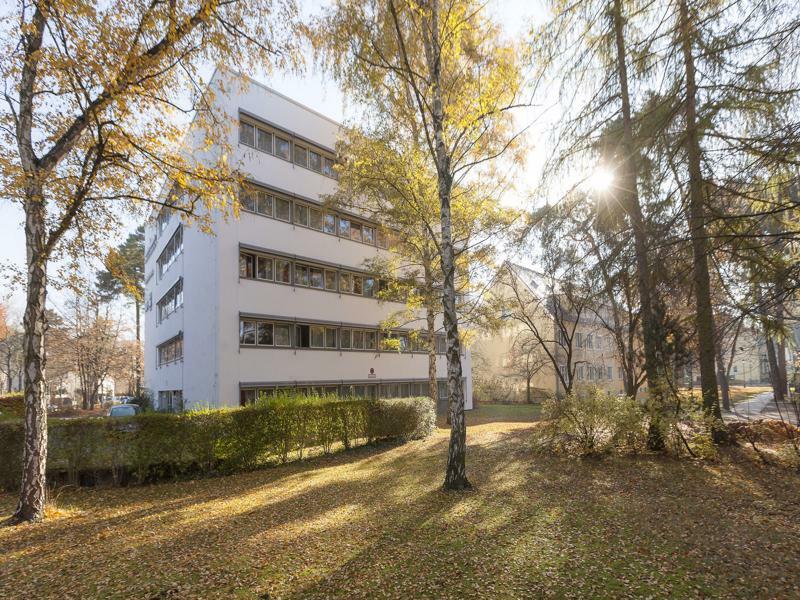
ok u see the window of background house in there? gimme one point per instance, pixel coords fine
(264, 141)
(265, 334)
(330, 280)
(283, 209)
(327, 166)
(315, 219)
(355, 231)
(264, 270)
(283, 335)
(247, 134)
(381, 240)
(358, 339)
(369, 287)
(357, 284)
(301, 214)
(282, 148)
(371, 340)
(300, 156)
(283, 271)
(329, 223)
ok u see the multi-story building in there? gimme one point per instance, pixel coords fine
(513, 363)
(278, 298)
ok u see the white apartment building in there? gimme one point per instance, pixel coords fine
(278, 298)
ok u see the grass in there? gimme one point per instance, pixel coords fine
(499, 413)
(374, 523)
(740, 394)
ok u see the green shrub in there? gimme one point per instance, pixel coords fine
(12, 404)
(155, 446)
(591, 421)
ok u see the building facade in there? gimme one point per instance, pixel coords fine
(279, 298)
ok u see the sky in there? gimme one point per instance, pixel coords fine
(316, 91)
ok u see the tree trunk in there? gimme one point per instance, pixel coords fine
(433, 388)
(138, 362)
(528, 390)
(456, 473)
(722, 375)
(704, 315)
(33, 489)
(774, 370)
(654, 368)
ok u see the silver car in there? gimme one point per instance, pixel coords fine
(124, 410)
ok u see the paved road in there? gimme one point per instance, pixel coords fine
(760, 406)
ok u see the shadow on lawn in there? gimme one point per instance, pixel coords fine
(375, 523)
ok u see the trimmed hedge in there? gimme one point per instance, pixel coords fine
(155, 446)
(12, 404)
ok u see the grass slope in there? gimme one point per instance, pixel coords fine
(373, 523)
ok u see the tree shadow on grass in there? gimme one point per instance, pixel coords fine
(375, 523)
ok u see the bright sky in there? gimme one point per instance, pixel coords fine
(313, 90)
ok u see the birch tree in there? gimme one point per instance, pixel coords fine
(93, 94)
(441, 73)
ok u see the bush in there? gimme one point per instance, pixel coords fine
(591, 421)
(155, 446)
(12, 404)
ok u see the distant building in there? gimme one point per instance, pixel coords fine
(501, 356)
(278, 299)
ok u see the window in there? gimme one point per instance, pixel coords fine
(610, 372)
(315, 219)
(246, 266)
(327, 167)
(264, 203)
(170, 252)
(314, 161)
(345, 282)
(329, 223)
(317, 336)
(283, 335)
(358, 339)
(355, 232)
(371, 340)
(381, 240)
(345, 339)
(580, 372)
(247, 134)
(441, 344)
(264, 270)
(302, 336)
(330, 337)
(265, 334)
(283, 209)
(369, 235)
(369, 287)
(282, 148)
(317, 278)
(247, 199)
(171, 301)
(301, 275)
(579, 341)
(589, 340)
(264, 141)
(171, 350)
(301, 214)
(300, 156)
(344, 227)
(247, 333)
(170, 400)
(330, 280)
(283, 271)
(358, 283)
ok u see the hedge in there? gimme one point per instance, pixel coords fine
(155, 446)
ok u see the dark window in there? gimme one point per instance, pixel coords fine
(302, 336)
(247, 134)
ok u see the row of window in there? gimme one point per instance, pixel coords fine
(268, 204)
(399, 389)
(277, 143)
(279, 334)
(305, 274)
(170, 252)
(592, 372)
(170, 351)
(171, 301)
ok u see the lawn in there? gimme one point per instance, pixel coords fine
(499, 413)
(740, 394)
(374, 523)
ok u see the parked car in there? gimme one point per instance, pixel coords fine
(124, 410)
